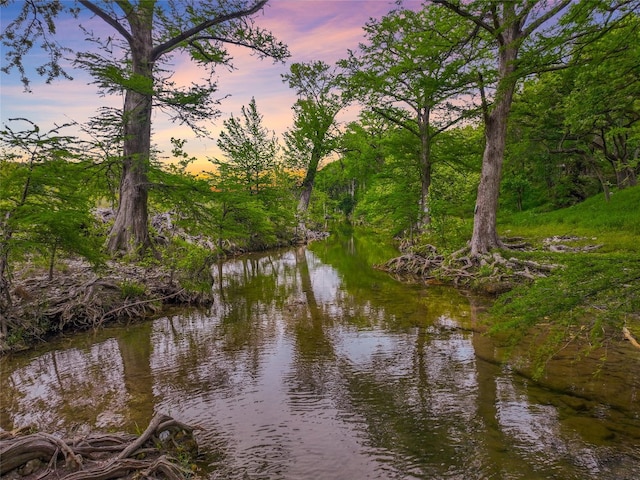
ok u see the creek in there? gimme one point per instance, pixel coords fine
(310, 364)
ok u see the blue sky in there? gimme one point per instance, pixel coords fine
(313, 30)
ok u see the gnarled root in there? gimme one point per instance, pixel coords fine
(101, 456)
(486, 272)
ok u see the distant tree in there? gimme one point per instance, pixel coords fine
(389, 200)
(314, 134)
(602, 115)
(237, 214)
(250, 148)
(132, 61)
(413, 71)
(360, 158)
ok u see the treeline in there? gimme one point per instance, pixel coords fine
(467, 110)
(414, 160)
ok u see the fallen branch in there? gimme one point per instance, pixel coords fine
(628, 336)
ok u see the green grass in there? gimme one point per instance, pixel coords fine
(616, 223)
(595, 293)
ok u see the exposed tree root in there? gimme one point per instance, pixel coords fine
(83, 299)
(491, 273)
(100, 456)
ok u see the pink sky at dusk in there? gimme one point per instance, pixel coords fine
(313, 30)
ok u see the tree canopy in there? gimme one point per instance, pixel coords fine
(131, 60)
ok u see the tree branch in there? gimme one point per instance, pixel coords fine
(543, 18)
(175, 41)
(466, 14)
(396, 121)
(107, 18)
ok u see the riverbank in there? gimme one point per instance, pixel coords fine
(80, 297)
(566, 277)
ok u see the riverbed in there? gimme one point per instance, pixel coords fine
(310, 364)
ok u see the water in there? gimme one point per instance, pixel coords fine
(312, 365)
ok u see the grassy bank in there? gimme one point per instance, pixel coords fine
(596, 292)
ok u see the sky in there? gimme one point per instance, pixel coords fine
(312, 29)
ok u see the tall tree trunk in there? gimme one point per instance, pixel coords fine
(425, 168)
(485, 233)
(307, 183)
(130, 231)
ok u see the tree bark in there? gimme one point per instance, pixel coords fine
(130, 231)
(425, 167)
(307, 183)
(485, 233)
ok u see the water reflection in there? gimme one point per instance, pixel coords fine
(312, 364)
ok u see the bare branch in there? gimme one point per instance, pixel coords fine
(192, 32)
(107, 18)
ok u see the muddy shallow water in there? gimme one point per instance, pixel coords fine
(311, 364)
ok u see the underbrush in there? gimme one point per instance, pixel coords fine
(589, 300)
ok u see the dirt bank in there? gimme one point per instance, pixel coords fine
(79, 297)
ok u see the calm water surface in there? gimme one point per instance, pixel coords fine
(312, 365)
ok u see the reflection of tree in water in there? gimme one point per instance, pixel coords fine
(311, 350)
(314, 353)
(135, 349)
(416, 396)
(398, 392)
(222, 347)
(65, 390)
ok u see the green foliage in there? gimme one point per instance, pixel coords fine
(455, 180)
(45, 205)
(131, 290)
(411, 73)
(447, 233)
(573, 131)
(593, 293)
(314, 133)
(345, 182)
(257, 221)
(391, 201)
(250, 148)
(189, 263)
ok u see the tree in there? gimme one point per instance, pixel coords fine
(526, 37)
(576, 130)
(250, 148)
(314, 133)
(602, 114)
(44, 207)
(412, 72)
(389, 201)
(144, 36)
(361, 157)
